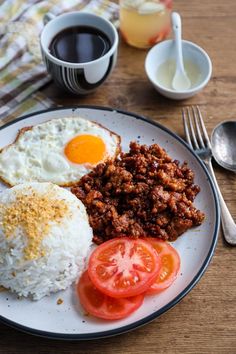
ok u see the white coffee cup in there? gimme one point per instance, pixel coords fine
(78, 78)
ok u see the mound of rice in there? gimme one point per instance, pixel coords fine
(44, 239)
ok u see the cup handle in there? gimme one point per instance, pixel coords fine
(48, 17)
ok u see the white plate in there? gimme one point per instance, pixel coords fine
(196, 247)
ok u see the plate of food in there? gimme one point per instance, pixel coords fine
(107, 220)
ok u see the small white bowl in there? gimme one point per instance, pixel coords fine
(191, 52)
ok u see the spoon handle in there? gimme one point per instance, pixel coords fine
(176, 26)
(227, 222)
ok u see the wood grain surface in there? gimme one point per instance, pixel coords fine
(205, 320)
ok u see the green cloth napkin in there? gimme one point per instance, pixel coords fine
(22, 71)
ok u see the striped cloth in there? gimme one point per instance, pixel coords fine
(22, 71)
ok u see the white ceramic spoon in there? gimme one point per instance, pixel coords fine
(180, 81)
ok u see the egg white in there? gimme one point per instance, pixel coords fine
(37, 155)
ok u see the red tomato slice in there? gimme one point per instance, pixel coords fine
(170, 265)
(103, 306)
(123, 267)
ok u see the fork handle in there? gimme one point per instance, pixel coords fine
(227, 222)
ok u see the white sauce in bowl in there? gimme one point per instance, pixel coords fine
(166, 71)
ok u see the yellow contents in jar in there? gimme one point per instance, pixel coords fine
(144, 23)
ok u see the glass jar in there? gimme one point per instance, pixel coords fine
(144, 23)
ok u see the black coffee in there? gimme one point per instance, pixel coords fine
(79, 44)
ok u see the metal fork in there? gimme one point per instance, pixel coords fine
(197, 138)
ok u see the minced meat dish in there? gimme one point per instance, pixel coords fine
(141, 193)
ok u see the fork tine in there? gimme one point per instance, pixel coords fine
(208, 143)
(186, 130)
(196, 121)
(192, 129)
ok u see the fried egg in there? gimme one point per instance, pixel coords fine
(60, 151)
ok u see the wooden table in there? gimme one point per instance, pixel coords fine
(205, 320)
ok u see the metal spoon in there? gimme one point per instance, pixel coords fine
(180, 81)
(224, 152)
(223, 140)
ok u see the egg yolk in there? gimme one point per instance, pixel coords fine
(85, 149)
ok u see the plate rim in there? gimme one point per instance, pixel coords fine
(182, 294)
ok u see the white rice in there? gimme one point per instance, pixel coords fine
(66, 247)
